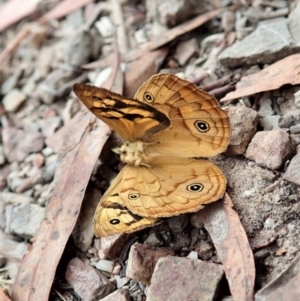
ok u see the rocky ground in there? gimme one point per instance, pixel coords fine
(50, 146)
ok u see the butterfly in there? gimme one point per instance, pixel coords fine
(170, 128)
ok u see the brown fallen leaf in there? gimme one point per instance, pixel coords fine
(138, 71)
(14, 43)
(80, 150)
(283, 72)
(231, 242)
(63, 8)
(285, 287)
(4, 294)
(14, 10)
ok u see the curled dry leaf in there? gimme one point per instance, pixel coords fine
(283, 72)
(231, 242)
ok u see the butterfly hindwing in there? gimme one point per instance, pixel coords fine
(171, 186)
(112, 216)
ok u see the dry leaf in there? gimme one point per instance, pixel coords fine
(285, 287)
(283, 72)
(80, 150)
(63, 8)
(171, 34)
(14, 10)
(231, 242)
(137, 72)
(158, 41)
(4, 294)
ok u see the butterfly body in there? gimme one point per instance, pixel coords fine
(167, 127)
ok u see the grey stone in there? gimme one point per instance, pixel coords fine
(288, 121)
(11, 82)
(2, 155)
(265, 108)
(49, 126)
(18, 144)
(294, 24)
(26, 220)
(295, 139)
(266, 44)
(170, 13)
(292, 173)
(269, 123)
(82, 42)
(243, 123)
(295, 129)
(14, 198)
(297, 99)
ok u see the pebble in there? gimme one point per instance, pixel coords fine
(2, 155)
(192, 255)
(121, 281)
(243, 123)
(26, 220)
(47, 151)
(292, 173)
(269, 224)
(105, 27)
(142, 260)
(13, 100)
(295, 129)
(18, 144)
(172, 274)
(248, 194)
(270, 149)
(269, 123)
(11, 82)
(105, 265)
(297, 99)
(265, 108)
(15, 198)
(172, 13)
(152, 240)
(86, 281)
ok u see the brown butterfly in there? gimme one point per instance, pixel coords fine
(168, 125)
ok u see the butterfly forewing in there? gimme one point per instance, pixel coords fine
(199, 127)
(132, 119)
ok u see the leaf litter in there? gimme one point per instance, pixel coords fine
(80, 143)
